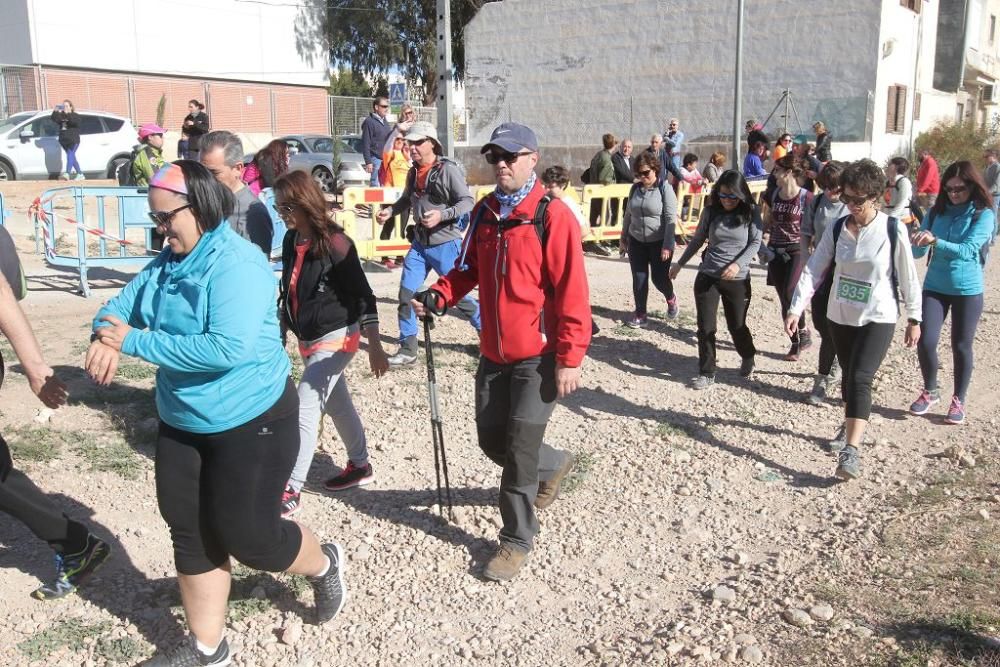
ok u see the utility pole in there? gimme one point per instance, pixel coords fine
(738, 93)
(444, 73)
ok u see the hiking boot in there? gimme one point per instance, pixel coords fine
(637, 321)
(673, 310)
(505, 563)
(746, 367)
(805, 341)
(404, 357)
(702, 382)
(793, 351)
(927, 398)
(849, 464)
(329, 591)
(818, 395)
(350, 477)
(548, 490)
(73, 569)
(291, 502)
(956, 412)
(188, 655)
(838, 442)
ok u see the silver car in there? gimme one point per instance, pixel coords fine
(314, 154)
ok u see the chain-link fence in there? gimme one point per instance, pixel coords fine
(19, 90)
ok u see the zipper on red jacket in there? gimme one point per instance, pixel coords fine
(501, 243)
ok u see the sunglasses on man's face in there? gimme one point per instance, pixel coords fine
(163, 218)
(495, 157)
(383, 106)
(854, 200)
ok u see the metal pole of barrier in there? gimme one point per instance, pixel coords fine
(444, 84)
(738, 92)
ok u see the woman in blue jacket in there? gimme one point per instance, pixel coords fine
(203, 311)
(954, 232)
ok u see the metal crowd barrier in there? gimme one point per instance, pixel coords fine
(604, 206)
(4, 213)
(107, 214)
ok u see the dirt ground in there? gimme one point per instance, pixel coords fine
(698, 528)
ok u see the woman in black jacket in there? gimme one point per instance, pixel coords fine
(195, 124)
(327, 303)
(823, 142)
(65, 116)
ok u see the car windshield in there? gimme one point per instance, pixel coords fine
(12, 122)
(322, 145)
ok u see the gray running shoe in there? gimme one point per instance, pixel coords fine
(818, 395)
(839, 440)
(849, 464)
(404, 357)
(702, 382)
(187, 655)
(329, 590)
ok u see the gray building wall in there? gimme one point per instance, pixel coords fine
(15, 38)
(574, 69)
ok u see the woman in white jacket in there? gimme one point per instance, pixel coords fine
(873, 272)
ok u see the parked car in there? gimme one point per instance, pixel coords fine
(314, 154)
(29, 145)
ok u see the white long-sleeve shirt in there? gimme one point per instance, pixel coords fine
(862, 282)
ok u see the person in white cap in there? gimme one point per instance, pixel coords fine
(439, 199)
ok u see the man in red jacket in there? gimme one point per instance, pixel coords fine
(928, 180)
(535, 308)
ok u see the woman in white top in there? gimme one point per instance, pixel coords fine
(870, 260)
(899, 190)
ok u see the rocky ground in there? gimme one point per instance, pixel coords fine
(698, 528)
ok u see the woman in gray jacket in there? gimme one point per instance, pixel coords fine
(731, 224)
(648, 237)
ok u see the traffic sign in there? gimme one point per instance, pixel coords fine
(397, 96)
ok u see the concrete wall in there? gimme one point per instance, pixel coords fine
(211, 38)
(573, 69)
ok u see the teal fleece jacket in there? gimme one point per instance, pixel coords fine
(955, 267)
(209, 321)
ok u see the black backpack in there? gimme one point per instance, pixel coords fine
(124, 172)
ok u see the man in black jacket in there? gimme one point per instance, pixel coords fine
(375, 132)
(622, 161)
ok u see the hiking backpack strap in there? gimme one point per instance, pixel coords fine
(538, 222)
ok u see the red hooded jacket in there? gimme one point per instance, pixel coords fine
(529, 305)
(928, 178)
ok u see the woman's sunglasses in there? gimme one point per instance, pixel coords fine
(854, 200)
(957, 190)
(163, 218)
(644, 173)
(284, 209)
(728, 195)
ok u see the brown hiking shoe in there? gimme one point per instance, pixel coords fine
(548, 491)
(506, 563)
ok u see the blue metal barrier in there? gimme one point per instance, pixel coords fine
(4, 213)
(126, 206)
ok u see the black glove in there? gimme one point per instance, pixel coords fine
(432, 301)
(6, 462)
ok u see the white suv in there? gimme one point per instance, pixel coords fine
(29, 145)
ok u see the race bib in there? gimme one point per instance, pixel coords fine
(853, 292)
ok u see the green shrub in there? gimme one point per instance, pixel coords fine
(949, 142)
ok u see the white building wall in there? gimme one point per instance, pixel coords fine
(207, 38)
(570, 68)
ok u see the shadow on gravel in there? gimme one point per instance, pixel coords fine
(118, 588)
(696, 427)
(640, 357)
(963, 643)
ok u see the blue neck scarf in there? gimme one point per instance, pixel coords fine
(513, 200)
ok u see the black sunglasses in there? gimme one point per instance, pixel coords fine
(728, 195)
(855, 200)
(163, 218)
(284, 209)
(418, 142)
(494, 157)
(957, 191)
(644, 173)
(382, 106)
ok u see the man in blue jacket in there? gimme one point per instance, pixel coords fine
(375, 132)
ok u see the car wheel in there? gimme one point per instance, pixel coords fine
(324, 179)
(114, 165)
(6, 171)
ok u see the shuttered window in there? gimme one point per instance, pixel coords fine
(895, 116)
(913, 5)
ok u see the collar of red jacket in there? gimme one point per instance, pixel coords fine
(523, 211)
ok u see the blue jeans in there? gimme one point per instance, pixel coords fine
(376, 165)
(71, 163)
(418, 263)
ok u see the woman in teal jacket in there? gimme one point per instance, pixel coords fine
(954, 232)
(203, 311)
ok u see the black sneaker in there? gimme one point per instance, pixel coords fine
(291, 502)
(352, 476)
(188, 655)
(329, 591)
(746, 367)
(73, 569)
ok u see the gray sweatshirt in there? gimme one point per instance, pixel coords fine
(729, 241)
(251, 220)
(818, 217)
(650, 215)
(445, 191)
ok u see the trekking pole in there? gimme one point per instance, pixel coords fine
(437, 430)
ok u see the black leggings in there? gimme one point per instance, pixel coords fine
(965, 314)
(20, 498)
(644, 259)
(861, 351)
(220, 493)
(827, 352)
(782, 276)
(735, 296)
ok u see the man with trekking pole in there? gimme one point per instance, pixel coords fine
(524, 253)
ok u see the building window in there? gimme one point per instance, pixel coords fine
(913, 5)
(916, 106)
(993, 28)
(895, 116)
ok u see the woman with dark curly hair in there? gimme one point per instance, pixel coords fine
(869, 256)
